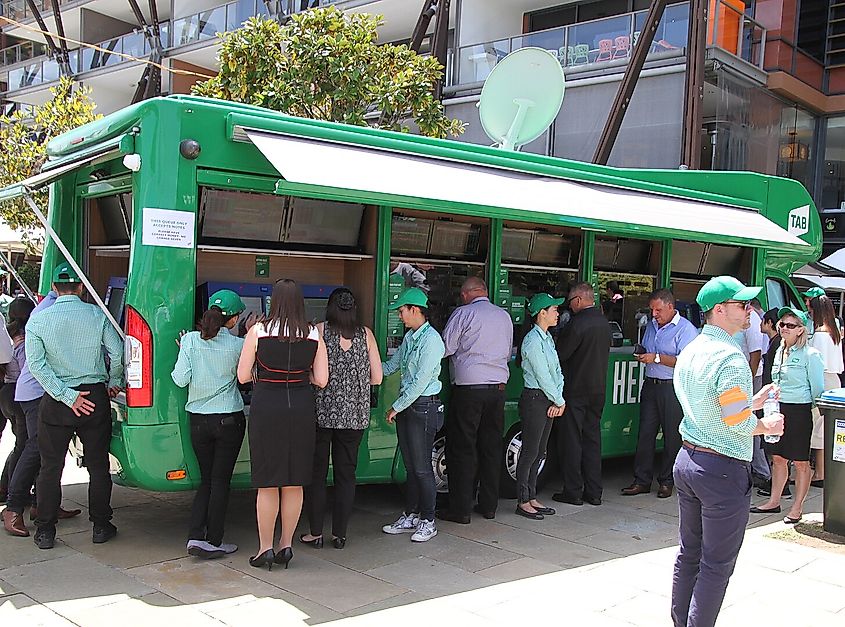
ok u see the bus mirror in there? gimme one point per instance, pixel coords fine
(132, 162)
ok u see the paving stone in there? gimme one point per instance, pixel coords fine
(200, 581)
(429, 577)
(648, 610)
(521, 568)
(288, 611)
(16, 551)
(22, 610)
(123, 551)
(7, 589)
(151, 609)
(829, 569)
(409, 598)
(624, 543)
(77, 580)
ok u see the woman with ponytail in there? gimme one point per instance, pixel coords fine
(208, 366)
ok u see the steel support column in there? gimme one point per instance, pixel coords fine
(694, 85)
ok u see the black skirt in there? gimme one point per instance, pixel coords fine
(794, 444)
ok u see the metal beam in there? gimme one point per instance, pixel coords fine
(440, 43)
(629, 82)
(64, 59)
(421, 27)
(8, 264)
(55, 51)
(694, 85)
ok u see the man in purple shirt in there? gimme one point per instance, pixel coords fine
(28, 393)
(479, 341)
(666, 335)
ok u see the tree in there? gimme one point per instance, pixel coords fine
(24, 138)
(326, 65)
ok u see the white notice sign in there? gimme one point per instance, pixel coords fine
(166, 227)
(839, 441)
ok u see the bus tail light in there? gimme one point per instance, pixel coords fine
(138, 356)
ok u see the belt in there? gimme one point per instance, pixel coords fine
(483, 386)
(658, 381)
(703, 449)
(429, 397)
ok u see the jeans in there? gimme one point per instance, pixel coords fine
(659, 408)
(29, 463)
(217, 440)
(14, 413)
(416, 428)
(714, 496)
(57, 424)
(343, 445)
(536, 427)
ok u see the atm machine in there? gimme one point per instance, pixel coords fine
(115, 298)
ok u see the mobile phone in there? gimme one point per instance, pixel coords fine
(639, 349)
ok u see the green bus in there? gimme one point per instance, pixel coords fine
(166, 200)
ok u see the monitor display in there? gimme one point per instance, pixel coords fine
(410, 235)
(554, 248)
(324, 222)
(116, 297)
(455, 239)
(315, 309)
(230, 214)
(516, 244)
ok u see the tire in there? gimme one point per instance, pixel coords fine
(438, 462)
(511, 448)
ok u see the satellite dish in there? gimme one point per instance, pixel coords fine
(521, 97)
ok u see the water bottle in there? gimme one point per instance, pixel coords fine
(771, 406)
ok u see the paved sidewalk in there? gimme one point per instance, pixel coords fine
(596, 566)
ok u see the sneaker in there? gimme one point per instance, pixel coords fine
(406, 523)
(103, 533)
(425, 531)
(45, 537)
(205, 550)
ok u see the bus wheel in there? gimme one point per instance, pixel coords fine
(438, 462)
(511, 450)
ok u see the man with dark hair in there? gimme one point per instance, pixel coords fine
(666, 335)
(583, 347)
(479, 340)
(66, 347)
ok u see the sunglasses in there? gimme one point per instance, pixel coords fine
(789, 325)
(573, 299)
(746, 304)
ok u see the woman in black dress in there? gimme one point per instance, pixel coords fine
(284, 356)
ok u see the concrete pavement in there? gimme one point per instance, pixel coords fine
(608, 565)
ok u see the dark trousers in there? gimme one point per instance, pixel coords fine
(579, 444)
(29, 462)
(217, 440)
(714, 495)
(416, 428)
(474, 447)
(659, 408)
(13, 412)
(536, 427)
(342, 445)
(56, 426)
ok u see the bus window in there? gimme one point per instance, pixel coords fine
(436, 253)
(779, 295)
(694, 263)
(627, 273)
(536, 259)
(107, 229)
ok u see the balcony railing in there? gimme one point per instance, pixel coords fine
(22, 52)
(19, 9)
(45, 70)
(582, 44)
(735, 32)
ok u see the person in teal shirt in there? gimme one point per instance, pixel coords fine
(798, 369)
(418, 412)
(541, 402)
(208, 366)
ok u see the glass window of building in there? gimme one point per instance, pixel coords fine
(833, 172)
(795, 150)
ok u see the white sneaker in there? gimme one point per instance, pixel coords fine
(205, 550)
(425, 531)
(228, 548)
(406, 523)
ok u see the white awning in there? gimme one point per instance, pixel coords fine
(833, 284)
(836, 260)
(381, 172)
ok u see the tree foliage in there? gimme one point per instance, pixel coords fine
(24, 137)
(326, 65)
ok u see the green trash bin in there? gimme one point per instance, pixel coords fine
(832, 405)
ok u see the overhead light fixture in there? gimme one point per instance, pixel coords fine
(794, 150)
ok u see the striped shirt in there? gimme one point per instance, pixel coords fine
(64, 348)
(418, 358)
(541, 366)
(714, 386)
(210, 370)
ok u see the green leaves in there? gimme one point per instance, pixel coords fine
(326, 65)
(24, 141)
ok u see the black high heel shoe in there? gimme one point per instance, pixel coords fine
(265, 559)
(284, 556)
(316, 543)
(339, 543)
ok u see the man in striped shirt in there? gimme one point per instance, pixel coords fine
(712, 472)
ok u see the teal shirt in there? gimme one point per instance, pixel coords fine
(210, 370)
(800, 376)
(713, 383)
(418, 358)
(541, 366)
(64, 348)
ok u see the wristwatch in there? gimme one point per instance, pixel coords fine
(657, 358)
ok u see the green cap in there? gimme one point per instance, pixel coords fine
(541, 301)
(64, 273)
(227, 302)
(813, 292)
(411, 296)
(721, 288)
(801, 315)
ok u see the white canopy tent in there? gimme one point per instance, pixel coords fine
(12, 241)
(828, 274)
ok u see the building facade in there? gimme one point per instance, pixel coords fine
(774, 95)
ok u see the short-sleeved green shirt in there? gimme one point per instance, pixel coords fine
(714, 385)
